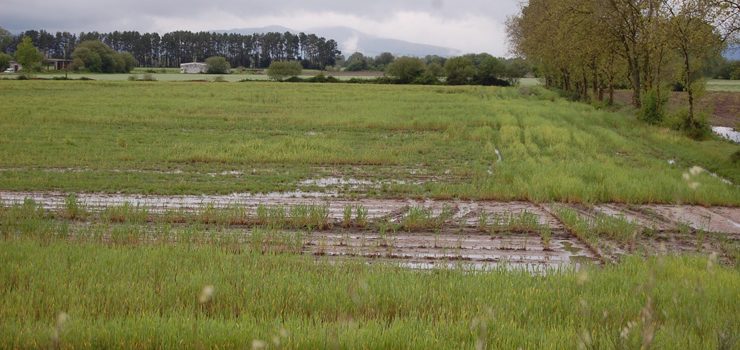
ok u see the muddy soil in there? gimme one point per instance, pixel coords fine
(460, 239)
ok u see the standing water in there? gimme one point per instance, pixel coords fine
(728, 133)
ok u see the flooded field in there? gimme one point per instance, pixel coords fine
(431, 233)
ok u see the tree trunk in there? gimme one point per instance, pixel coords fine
(611, 90)
(636, 83)
(689, 89)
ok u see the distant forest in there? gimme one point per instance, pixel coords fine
(171, 49)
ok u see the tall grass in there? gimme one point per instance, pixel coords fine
(114, 296)
(275, 135)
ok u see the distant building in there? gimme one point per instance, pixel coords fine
(15, 66)
(57, 63)
(193, 68)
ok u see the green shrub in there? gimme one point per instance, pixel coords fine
(697, 128)
(406, 69)
(279, 70)
(217, 65)
(735, 157)
(653, 107)
(97, 57)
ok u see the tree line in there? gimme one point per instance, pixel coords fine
(172, 49)
(587, 48)
(470, 69)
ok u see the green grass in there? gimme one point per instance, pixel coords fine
(595, 230)
(723, 85)
(173, 138)
(118, 296)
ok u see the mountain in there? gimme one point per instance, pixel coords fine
(351, 40)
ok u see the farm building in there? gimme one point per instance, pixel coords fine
(15, 66)
(193, 68)
(57, 63)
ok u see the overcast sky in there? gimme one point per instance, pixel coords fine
(465, 25)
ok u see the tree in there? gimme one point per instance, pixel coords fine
(434, 70)
(357, 62)
(490, 71)
(279, 70)
(28, 56)
(217, 65)
(4, 61)
(383, 60)
(97, 57)
(5, 39)
(459, 70)
(692, 35)
(405, 69)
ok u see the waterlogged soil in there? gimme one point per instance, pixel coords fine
(459, 238)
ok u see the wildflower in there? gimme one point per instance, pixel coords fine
(696, 170)
(694, 185)
(686, 176)
(258, 344)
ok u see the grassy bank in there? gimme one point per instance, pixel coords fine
(170, 138)
(113, 296)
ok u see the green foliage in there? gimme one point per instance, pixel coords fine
(653, 107)
(28, 56)
(217, 65)
(279, 70)
(4, 61)
(96, 57)
(459, 70)
(382, 61)
(405, 69)
(356, 62)
(6, 38)
(490, 71)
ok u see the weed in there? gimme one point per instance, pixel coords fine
(361, 220)
(125, 213)
(483, 221)
(347, 216)
(72, 208)
(546, 236)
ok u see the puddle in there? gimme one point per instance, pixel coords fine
(328, 182)
(336, 181)
(724, 220)
(727, 133)
(430, 250)
(569, 247)
(465, 214)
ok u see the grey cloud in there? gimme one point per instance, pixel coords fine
(466, 25)
(76, 15)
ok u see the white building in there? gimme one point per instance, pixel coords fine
(193, 68)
